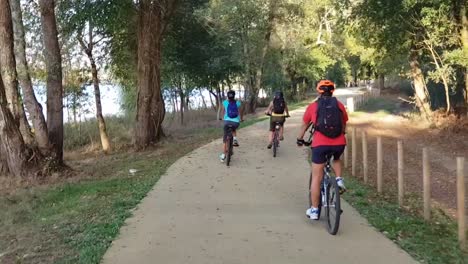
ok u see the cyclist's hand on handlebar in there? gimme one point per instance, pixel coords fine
(287, 115)
(300, 142)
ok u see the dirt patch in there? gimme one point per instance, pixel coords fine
(444, 144)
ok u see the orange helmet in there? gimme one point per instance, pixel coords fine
(325, 86)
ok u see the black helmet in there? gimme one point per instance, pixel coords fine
(278, 94)
(231, 94)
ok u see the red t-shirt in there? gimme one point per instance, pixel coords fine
(319, 139)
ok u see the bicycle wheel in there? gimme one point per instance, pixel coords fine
(229, 154)
(275, 143)
(309, 193)
(333, 206)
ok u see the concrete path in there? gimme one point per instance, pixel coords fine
(252, 212)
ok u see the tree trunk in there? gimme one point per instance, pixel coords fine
(214, 105)
(444, 79)
(381, 81)
(30, 100)
(150, 105)
(25, 128)
(203, 99)
(7, 58)
(181, 95)
(12, 149)
(88, 49)
(53, 63)
(421, 93)
(105, 142)
(464, 40)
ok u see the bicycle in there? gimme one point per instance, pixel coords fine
(329, 193)
(276, 137)
(229, 140)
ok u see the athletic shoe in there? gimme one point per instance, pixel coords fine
(281, 138)
(222, 157)
(235, 143)
(340, 182)
(313, 213)
(269, 146)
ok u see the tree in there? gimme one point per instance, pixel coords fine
(88, 49)
(9, 76)
(24, 77)
(153, 18)
(53, 63)
(16, 158)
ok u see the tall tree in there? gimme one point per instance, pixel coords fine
(9, 76)
(33, 106)
(53, 62)
(7, 67)
(88, 48)
(153, 18)
(12, 147)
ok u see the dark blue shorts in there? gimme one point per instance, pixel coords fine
(320, 153)
(228, 124)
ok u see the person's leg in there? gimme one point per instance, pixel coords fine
(234, 133)
(282, 128)
(222, 156)
(271, 133)
(317, 176)
(318, 163)
(338, 166)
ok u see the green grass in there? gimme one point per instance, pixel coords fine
(76, 222)
(429, 242)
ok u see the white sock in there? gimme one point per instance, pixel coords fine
(235, 138)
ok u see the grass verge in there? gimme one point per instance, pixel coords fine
(76, 222)
(428, 242)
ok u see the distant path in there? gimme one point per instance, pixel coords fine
(253, 212)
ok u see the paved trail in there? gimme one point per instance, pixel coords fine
(253, 212)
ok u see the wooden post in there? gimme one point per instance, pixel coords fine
(346, 152)
(401, 187)
(350, 104)
(426, 185)
(379, 164)
(354, 151)
(364, 156)
(461, 202)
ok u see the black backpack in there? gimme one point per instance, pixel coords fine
(329, 117)
(278, 105)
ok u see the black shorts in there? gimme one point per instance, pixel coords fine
(227, 124)
(320, 153)
(274, 119)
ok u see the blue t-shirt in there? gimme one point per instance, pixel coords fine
(226, 117)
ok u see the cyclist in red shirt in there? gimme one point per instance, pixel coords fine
(323, 145)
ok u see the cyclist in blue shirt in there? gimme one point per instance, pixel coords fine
(232, 116)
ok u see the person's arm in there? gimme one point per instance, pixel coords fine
(241, 108)
(286, 108)
(303, 130)
(345, 116)
(222, 111)
(306, 121)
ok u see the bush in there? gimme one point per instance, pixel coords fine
(86, 134)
